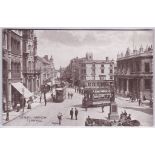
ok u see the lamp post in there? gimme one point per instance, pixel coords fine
(23, 105)
(44, 90)
(7, 110)
(113, 114)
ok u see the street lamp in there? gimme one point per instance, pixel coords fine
(23, 92)
(7, 110)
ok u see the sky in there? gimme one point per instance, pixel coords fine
(63, 45)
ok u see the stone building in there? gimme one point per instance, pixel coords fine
(20, 77)
(96, 73)
(135, 73)
(31, 75)
(87, 72)
(12, 67)
(46, 68)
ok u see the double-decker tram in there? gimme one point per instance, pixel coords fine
(59, 94)
(96, 97)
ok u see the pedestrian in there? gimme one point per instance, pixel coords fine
(129, 117)
(24, 103)
(18, 107)
(71, 113)
(125, 113)
(139, 102)
(76, 113)
(151, 102)
(45, 98)
(59, 117)
(71, 95)
(52, 97)
(144, 98)
(102, 107)
(29, 103)
(40, 98)
(68, 95)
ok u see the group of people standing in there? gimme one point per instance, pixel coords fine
(79, 90)
(72, 113)
(70, 95)
(125, 116)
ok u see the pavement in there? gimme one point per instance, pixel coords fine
(41, 115)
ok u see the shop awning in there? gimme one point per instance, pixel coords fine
(22, 89)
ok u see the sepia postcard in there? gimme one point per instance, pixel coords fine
(77, 77)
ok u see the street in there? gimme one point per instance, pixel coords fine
(42, 115)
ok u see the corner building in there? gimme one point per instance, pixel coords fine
(96, 73)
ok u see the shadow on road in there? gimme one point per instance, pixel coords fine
(146, 110)
(78, 105)
(55, 123)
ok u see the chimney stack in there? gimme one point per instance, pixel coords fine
(46, 57)
(107, 59)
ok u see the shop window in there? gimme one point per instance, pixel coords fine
(147, 84)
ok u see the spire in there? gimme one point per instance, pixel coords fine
(141, 49)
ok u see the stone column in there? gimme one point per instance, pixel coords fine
(21, 59)
(32, 84)
(127, 86)
(121, 86)
(9, 72)
(141, 87)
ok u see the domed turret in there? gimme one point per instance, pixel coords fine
(89, 56)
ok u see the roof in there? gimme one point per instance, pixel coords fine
(43, 60)
(98, 61)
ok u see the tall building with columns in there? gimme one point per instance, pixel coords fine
(12, 66)
(134, 74)
(19, 48)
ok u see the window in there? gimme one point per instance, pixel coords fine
(111, 77)
(102, 77)
(83, 71)
(89, 84)
(111, 71)
(102, 65)
(93, 84)
(98, 83)
(137, 66)
(147, 67)
(147, 84)
(83, 65)
(102, 70)
(93, 70)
